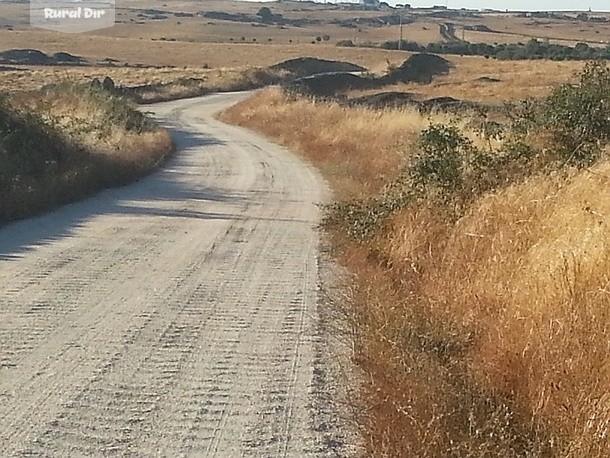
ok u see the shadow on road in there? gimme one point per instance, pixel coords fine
(163, 185)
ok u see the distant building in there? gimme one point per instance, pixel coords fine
(370, 3)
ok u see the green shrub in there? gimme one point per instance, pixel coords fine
(441, 159)
(578, 115)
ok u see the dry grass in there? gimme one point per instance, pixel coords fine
(482, 337)
(68, 142)
(514, 299)
(517, 79)
(139, 50)
(358, 159)
(30, 78)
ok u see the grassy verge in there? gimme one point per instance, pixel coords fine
(60, 144)
(480, 310)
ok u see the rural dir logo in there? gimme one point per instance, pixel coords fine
(72, 16)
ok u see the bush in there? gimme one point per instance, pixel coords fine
(577, 115)
(22, 134)
(441, 161)
(346, 43)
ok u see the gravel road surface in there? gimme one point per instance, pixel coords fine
(173, 317)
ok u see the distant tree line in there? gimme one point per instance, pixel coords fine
(533, 49)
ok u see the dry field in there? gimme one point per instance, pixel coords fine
(197, 42)
(516, 80)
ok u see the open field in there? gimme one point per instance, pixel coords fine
(178, 41)
(175, 34)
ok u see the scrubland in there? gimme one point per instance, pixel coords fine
(479, 306)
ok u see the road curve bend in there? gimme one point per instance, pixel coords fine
(173, 317)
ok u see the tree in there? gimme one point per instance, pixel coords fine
(265, 14)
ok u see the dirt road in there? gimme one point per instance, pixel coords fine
(174, 317)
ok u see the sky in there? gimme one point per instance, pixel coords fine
(512, 5)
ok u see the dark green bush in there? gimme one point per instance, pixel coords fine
(578, 115)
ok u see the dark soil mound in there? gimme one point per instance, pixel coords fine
(307, 66)
(329, 84)
(444, 103)
(383, 100)
(25, 56)
(420, 68)
(400, 99)
(36, 57)
(478, 28)
(66, 58)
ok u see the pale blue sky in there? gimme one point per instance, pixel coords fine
(513, 5)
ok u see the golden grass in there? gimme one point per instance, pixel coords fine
(165, 83)
(518, 79)
(358, 160)
(521, 285)
(482, 337)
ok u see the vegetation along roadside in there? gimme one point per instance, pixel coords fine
(479, 249)
(67, 141)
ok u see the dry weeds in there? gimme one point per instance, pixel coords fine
(482, 337)
(356, 157)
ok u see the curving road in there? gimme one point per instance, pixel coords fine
(174, 317)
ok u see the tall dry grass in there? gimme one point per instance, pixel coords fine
(511, 302)
(63, 143)
(359, 150)
(485, 336)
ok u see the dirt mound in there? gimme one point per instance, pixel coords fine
(330, 84)
(420, 68)
(36, 57)
(478, 28)
(307, 66)
(24, 56)
(400, 99)
(383, 100)
(66, 58)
